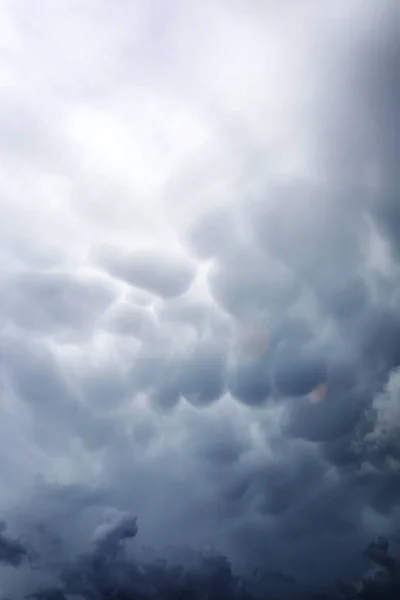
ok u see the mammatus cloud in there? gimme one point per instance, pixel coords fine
(154, 272)
(55, 303)
(199, 288)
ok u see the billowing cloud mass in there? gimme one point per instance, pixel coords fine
(200, 299)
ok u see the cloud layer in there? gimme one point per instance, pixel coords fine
(200, 325)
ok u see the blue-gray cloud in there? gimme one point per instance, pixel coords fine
(230, 377)
(153, 272)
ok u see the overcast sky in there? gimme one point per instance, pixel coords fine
(199, 276)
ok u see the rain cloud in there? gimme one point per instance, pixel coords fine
(199, 290)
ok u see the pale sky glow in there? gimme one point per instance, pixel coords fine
(179, 178)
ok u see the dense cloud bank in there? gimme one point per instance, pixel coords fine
(113, 568)
(199, 290)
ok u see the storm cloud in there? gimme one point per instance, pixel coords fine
(199, 299)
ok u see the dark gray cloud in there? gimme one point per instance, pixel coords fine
(203, 375)
(167, 373)
(297, 374)
(249, 381)
(12, 552)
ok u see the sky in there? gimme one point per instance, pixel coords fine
(199, 281)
